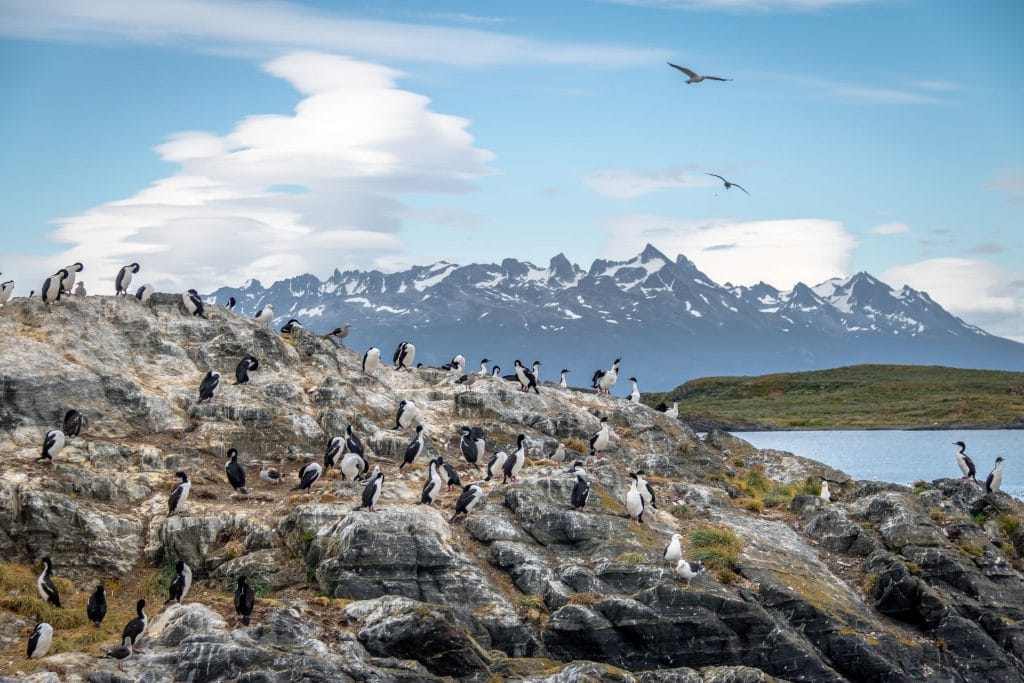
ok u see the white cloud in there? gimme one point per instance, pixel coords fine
(780, 252)
(937, 85)
(979, 291)
(271, 27)
(894, 228)
(630, 184)
(282, 195)
(742, 5)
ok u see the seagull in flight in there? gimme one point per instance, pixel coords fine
(728, 184)
(694, 76)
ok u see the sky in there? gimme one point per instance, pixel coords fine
(214, 141)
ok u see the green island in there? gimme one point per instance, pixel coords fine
(854, 397)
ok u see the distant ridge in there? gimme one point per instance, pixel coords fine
(667, 319)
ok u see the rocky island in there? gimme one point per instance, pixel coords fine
(883, 583)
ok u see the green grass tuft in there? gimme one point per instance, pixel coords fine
(630, 558)
(717, 547)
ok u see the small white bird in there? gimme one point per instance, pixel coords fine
(634, 395)
(265, 315)
(269, 475)
(673, 412)
(371, 359)
(695, 77)
(674, 551)
(689, 570)
(826, 495)
(6, 289)
(634, 501)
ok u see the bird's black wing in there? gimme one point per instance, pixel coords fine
(177, 586)
(718, 176)
(453, 475)
(686, 71)
(650, 490)
(172, 502)
(971, 470)
(354, 444)
(133, 629)
(51, 438)
(208, 385)
(988, 482)
(598, 374)
(368, 493)
(33, 639)
(398, 352)
(742, 188)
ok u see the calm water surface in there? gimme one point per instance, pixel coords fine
(904, 456)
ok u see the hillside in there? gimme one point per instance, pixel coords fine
(860, 396)
(640, 309)
(888, 583)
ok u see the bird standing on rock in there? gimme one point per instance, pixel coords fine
(689, 570)
(371, 494)
(404, 356)
(527, 380)
(634, 395)
(471, 495)
(371, 359)
(414, 448)
(73, 423)
(235, 472)
(134, 629)
(68, 283)
(995, 478)
(40, 640)
(473, 445)
(514, 463)
(208, 387)
(467, 381)
(176, 503)
(965, 462)
(340, 333)
(581, 490)
(122, 653)
(181, 583)
(291, 326)
(604, 380)
(51, 290)
(825, 494)
(600, 439)
(193, 304)
(269, 475)
(44, 584)
(53, 443)
(646, 490)
(308, 474)
(265, 315)
(96, 610)
(245, 366)
(561, 382)
(124, 278)
(245, 599)
(634, 501)
(673, 551)
(406, 415)
(433, 484)
(144, 293)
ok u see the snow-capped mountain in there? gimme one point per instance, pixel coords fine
(668, 320)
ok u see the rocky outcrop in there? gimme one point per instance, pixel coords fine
(888, 583)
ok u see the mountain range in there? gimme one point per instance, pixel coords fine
(667, 320)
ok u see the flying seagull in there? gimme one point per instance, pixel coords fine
(729, 184)
(696, 77)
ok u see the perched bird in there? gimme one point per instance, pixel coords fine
(79, 290)
(291, 326)
(600, 439)
(193, 304)
(208, 387)
(352, 442)
(514, 463)
(825, 494)
(134, 629)
(181, 583)
(371, 494)
(371, 359)
(340, 333)
(308, 474)
(40, 640)
(51, 290)
(407, 413)
(581, 491)
(265, 315)
(144, 292)
(414, 448)
(496, 372)
(124, 278)
(672, 412)
(433, 484)
(527, 380)
(269, 475)
(44, 584)
(536, 371)
(73, 423)
(53, 443)
(468, 499)
(473, 445)
(405, 354)
(353, 466)
(673, 551)
(634, 501)
(335, 447)
(467, 380)
(604, 380)
(965, 462)
(235, 472)
(483, 365)
(646, 490)
(450, 475)
(688, 570)
(6, 289)
(729, 184)
(496, 465)
(96, 610)
(995, 478)
(176, 503)
(231, 303)
(561, 382)
(695, 77)
(68, 283)
(457, 363)
(634, 395)
(122, 653)
(245, 599)
(561, 453)
(245, 366)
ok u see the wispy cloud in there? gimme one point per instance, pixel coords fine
(630, 184)
(894, 228)
(284, 194)
(780, 252)
(937, 85)
(1010, 182)
(987, 248)
(269, 28)
(742, 5)
(464, 18)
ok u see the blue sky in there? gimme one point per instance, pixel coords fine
(216, 141)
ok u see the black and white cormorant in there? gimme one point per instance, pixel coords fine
(265, 315)
(995, 478)
(527, 380)
(414, 448)
(634, 394)
(469, 498)
(561, 382)
(68, 283)
(371, 494)
(450, 475)
(134, 629)
(248, 364)
(406, 414)
(600, 439)
(352, 442)
(581, 491)
(965, 462)
(208, 387)
(193, 304)
(483, 367)
(96, 609)
(44, 584)
(404, 356)
(144, 293)
(231, 303)
(53, 443)
(291, 326)
(245, 599)
(432, 486)
(73, 423)
(646, 490)
(40, 640)
(335, 448)
(353, 466)
(308, 474)
(634, 501)
(496, 372)
(514, 463)
(6, 289)
(371, 359)
(176, 503)
(496, 465)
(124, 278)
(604, 380)
(235, 472)
(181, 583)
(473, 445)
(51, 290)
